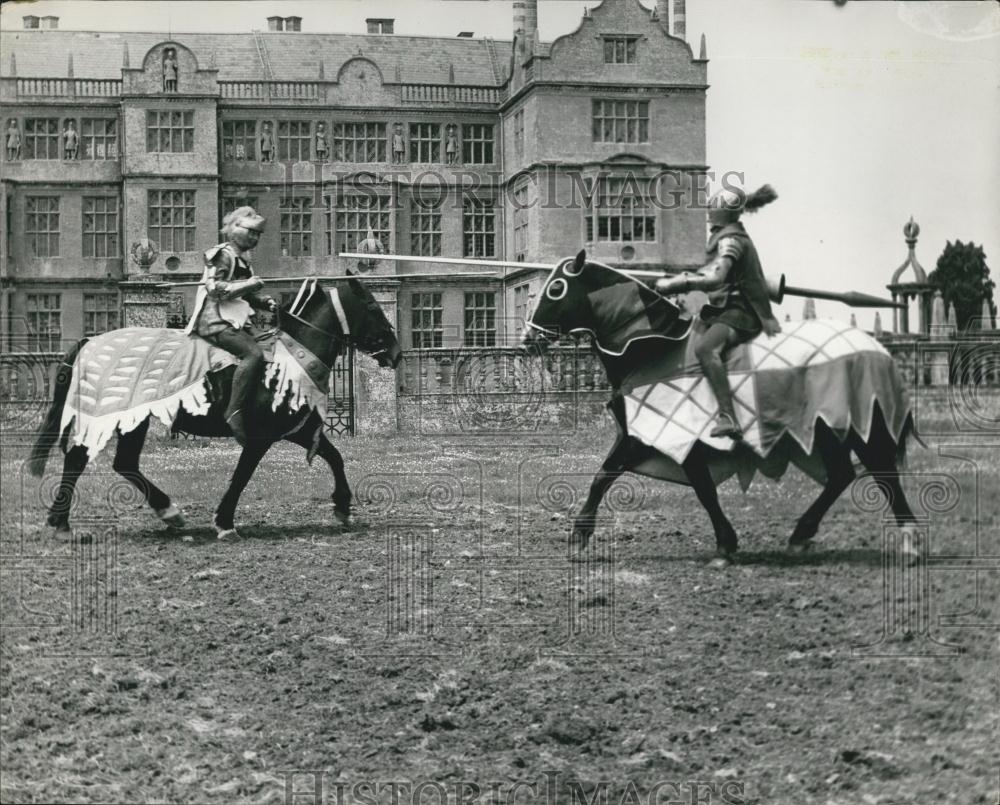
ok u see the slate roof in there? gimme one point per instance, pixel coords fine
(292, 56)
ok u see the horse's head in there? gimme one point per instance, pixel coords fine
(610, 305)
(349, 313)
(371, 331)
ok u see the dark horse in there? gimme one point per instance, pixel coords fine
(315, 323)
(575, 299)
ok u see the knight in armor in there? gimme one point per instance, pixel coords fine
(227, 298)
(739, 307)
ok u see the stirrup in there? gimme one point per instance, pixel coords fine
(726, 426)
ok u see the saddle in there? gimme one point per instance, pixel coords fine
(122, 377)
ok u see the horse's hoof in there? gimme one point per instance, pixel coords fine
(63, 532)
(344, 518)
(226, 533)
(722, 560)
(171, 516)
(799, 548)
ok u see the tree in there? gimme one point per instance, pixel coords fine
(963, 278)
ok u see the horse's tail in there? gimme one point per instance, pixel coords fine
(49, 432)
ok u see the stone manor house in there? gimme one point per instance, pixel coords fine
(122, 151)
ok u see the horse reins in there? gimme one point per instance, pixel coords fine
(327, 333)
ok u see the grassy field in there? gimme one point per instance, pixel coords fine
(448, 637)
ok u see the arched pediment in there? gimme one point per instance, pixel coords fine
(184, 55)
(360, 69)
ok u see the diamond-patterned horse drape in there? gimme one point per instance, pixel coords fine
(817, 369)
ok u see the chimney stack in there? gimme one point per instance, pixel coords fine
(293, 23)
(275, 23)
(381, 25)
(30, 21)
(519, 19)
(680, 19)
(530, 23)
(50, 22)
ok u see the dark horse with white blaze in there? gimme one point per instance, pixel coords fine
(851, 400)
(313, 322)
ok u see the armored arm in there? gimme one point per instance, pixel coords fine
(218, 287)
(708, 278)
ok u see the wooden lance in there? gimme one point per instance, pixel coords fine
(777, 288)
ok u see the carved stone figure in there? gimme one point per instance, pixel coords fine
(451, 146)
(267, 144)
(169, 70)
(13, 141)
(398, 145)
(71, 141)
(322, 147)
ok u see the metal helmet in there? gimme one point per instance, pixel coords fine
(726, 206)
(242, 220)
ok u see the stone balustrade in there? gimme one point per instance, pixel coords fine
(450, 93)
(68, 88)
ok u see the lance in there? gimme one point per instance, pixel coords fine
(363, 277)
(778, 290)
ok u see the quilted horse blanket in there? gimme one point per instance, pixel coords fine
(815, 369)
(124, 376)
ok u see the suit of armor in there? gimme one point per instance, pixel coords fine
(226, 300)
(739, 306)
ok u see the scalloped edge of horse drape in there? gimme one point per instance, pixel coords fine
(138, 368)
(828, 371)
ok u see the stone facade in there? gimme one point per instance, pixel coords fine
(172, 128)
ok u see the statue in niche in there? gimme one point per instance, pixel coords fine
(267, 144)
(322, 146)
(13, 141)
(451, 146)
(398, 145)
(169, 70)
(71, 141)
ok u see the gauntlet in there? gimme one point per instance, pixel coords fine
(236, 289)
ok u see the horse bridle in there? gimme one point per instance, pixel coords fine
(334, 336)
(309, 324)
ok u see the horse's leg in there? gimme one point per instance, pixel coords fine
(331, 455)
(74, 464)
(878, 455)
(696, 469)
(126, 464)
(613, 467)
(249, 459)
(836, 457)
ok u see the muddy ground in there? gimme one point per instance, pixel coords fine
(447, 637)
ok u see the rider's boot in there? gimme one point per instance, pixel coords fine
(245, 381)
(726, 424)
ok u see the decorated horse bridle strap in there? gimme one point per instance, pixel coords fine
(306, 358)
(338, 306)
